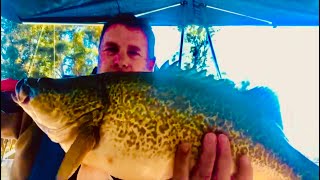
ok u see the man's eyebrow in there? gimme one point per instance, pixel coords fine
(133, 47)
(110, 44)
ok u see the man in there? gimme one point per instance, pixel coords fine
(127, 44)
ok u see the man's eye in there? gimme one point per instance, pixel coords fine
(112, 50)
(133, 53)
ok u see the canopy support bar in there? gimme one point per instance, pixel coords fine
(159, 9)
(213, 53)
(181, 47)
(238, 14)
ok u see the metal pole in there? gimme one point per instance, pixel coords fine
(54, 51)
(213, 54)
(181, 47)
(184, 6)
(159, 9)
(239, 14)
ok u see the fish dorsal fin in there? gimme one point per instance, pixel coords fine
(193, 72)
(265, 97)
(174, 69)
(201, 78)
(85, 142)
(167, 67)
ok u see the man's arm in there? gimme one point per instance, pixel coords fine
(16, 124)
(13, 119)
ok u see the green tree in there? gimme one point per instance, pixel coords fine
(47, 50)
(196, 50)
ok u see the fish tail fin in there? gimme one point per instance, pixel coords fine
(304, 167)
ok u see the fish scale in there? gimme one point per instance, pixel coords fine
(138, 119)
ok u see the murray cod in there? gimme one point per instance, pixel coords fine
(129, 124)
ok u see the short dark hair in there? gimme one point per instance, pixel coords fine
(129, 20)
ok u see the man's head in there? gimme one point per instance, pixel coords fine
(126, 44)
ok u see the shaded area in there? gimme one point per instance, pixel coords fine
(221, 13)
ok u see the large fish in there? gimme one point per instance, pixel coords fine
(129, 124)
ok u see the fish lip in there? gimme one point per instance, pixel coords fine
(26, 100)
(22, 92)
(14, 98)
(18, 101)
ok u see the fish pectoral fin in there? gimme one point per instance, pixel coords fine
(85, 142)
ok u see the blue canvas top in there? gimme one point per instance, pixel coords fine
(168, 12)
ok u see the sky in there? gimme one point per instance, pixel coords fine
(286, 59)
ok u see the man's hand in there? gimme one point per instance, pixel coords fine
(215, 161)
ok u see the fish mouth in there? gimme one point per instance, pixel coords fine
(22, 92)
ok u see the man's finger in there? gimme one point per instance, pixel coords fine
(204, 168)
(224, 159)
(181, 162)
(245, 171)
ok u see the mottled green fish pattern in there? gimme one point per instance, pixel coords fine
(129, 124)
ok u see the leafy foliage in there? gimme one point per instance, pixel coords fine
(196, 46)
(47, 50)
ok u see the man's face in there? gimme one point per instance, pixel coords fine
(124, 49)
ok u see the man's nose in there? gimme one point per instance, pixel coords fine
(122, 61)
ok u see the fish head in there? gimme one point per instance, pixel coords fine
(57, 103)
